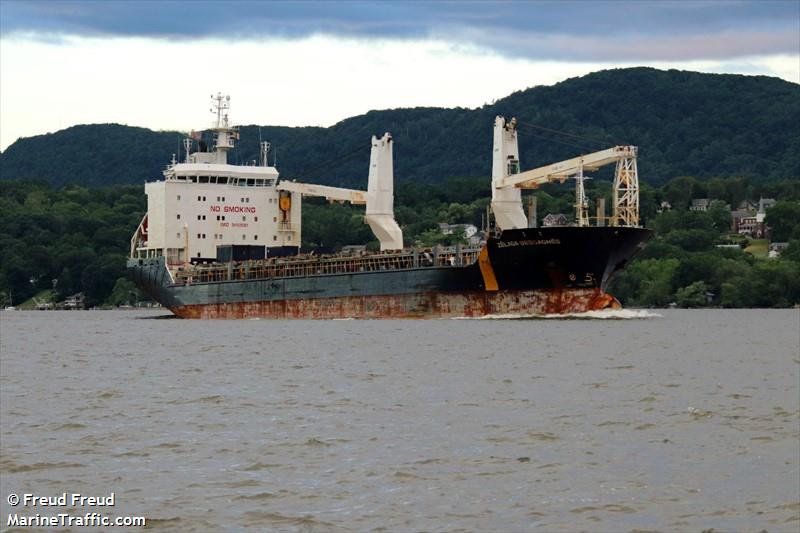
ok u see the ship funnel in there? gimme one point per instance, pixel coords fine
(506, 201)
(380, 195)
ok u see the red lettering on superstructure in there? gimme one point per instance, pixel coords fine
(240, 209)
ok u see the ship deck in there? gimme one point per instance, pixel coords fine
(310, 265)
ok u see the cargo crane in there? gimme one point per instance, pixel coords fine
(507, 180)
(379, 196)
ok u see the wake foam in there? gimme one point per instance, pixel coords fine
(605, 314)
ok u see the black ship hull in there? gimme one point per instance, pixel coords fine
(525, 271)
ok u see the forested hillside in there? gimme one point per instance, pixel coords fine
(685, 123)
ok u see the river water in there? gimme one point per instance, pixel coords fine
(670, 421)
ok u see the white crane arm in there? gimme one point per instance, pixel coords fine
(379, 196)
(560, 171)
(330, 193)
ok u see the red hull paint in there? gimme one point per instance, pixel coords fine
(425, 305)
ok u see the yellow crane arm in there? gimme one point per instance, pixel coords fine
(530, 179)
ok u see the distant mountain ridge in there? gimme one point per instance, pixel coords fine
(684, 123)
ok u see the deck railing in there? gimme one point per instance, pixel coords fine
(309, 265)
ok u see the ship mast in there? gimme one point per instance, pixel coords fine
(581, 204)
(224, 133)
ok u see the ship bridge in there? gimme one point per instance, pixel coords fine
(223, 174)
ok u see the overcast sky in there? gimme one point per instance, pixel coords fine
(154, 64)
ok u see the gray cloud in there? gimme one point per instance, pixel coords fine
(574, 30)
(635, 46)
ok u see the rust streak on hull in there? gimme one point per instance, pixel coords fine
(420, 305)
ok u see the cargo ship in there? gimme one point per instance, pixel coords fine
(224, 241)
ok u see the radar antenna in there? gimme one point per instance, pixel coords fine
(187, 145)
(221, 103)
(264, 153)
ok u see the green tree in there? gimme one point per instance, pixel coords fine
(647, 283)
(434, 237)
(735, 191)
(693, 295)
(720, 214)
(692, 240)
(124, 293)
(792, 252)
(766, 284)
(784, 221)
(717, 189)
(678, 191)
(669, 221)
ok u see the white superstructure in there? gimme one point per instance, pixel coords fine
(204, 202)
